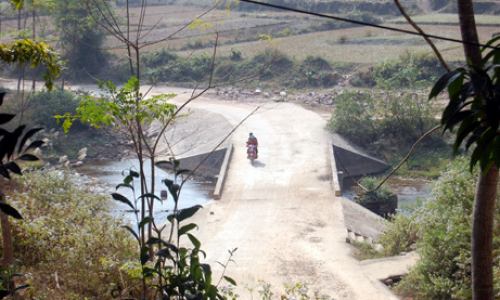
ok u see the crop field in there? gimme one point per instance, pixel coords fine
(364, 45)
(297, 35)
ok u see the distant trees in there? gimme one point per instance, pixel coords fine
(81, 38)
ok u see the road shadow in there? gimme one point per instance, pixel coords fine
(259, 164)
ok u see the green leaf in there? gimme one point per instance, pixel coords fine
(28, 157)
(4, 293)
(496, 151)
(22, 287)
(34, 145)
(475, 136)
(182, 171)
(124, 185)
(133, 233)
(145, 221)
(13, 167)
(149, 195)
(165, 252)
(185, 229)
(144, 255)
(11, 211)
(6, 118)
(196, 243)
(123, 199)
(2, 95)
(444, 82)
(28, 135)
(460, 117)
(479, 79)
(230, 280)
(188, 212)
(464, 130)
(4, 172)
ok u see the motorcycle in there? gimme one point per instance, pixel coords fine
(252, 153)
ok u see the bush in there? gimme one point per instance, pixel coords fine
(382, 202)
(69, 244)
(441, 228)
(354, 117)
(410, 70)
(390, 119)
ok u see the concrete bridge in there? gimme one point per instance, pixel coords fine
(285, 213)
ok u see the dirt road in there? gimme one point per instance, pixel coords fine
(281, 213)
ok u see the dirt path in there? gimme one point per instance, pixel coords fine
(281, 213)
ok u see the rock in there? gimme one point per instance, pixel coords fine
(77, 164)
(83, 151)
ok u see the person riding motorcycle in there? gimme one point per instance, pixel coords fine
(252, 140)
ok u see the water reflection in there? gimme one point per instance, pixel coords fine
(110, 173)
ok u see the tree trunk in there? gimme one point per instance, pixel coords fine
(486, 189)
(8, 248)
(482, 235)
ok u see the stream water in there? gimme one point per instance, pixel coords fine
(110, 174)
(409, 191)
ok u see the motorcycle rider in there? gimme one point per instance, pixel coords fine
(252, 140)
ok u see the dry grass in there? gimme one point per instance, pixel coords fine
(450, 18)
(363, 45)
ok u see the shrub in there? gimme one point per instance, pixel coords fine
(46, 104)
(410, 70)
(69, 244)
(354, 117)
(390, 119)
(442, 227)
(383, 201)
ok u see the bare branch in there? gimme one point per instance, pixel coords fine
(422, 33)
(402, 162)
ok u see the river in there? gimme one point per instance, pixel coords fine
(409, 191)
(110, 174)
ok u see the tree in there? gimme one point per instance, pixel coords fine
(474, 105)
(80, 37)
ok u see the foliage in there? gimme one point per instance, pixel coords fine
(440, 230)
(298, 291)
(474, 106)
(9, 156)
(355, 117)
(123, 107)
(69, 231)
(45, 104)
(400, 235)
(33, 53)
(283, 70)
(379, 122)
(364, 251)
(383, 194)
(9, 159)
(383, 201)
(410, 70)
(176, 271)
